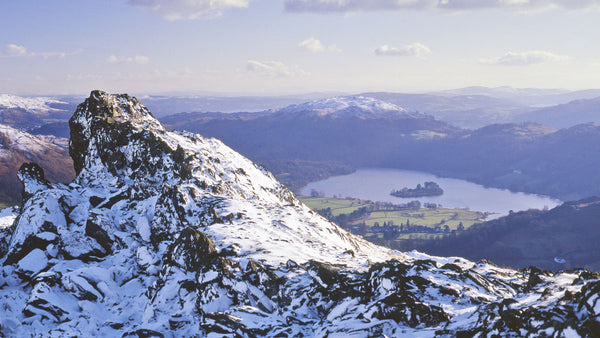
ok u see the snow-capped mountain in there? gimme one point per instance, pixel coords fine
(39, 105)
(347, 106)
(15, 139)
(173, 234)
(17, 147)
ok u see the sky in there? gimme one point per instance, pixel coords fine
(274, 47)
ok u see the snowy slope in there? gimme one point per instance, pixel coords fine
(34, 104)
(172, 234)
(17, 147)
(345, 106)
(18, 140)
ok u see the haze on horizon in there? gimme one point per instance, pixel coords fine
(272, 47)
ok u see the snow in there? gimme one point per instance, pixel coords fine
(570, 332)
(359, 106)
(7, 217)
(143, 228)
(144, 257)
(34, 262)
(24, 142)
(36, 104)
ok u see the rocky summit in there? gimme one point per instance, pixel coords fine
(172, 234)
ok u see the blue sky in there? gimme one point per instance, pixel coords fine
(296, 46)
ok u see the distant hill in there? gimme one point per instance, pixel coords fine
(465, 111)
(17, 147)
(355, 131)
(521, 157)
(565, 237)
(58, 129)
(525, 96)
(168, 105)
(30, 112)
(566, 115)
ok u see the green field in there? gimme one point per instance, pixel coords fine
(423, 217)
(338, 206)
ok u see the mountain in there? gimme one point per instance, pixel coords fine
(465, 111)
(58, 129)
(360, 107)
(38, 105)
(566, 115)
(17, 147)
(533, 97)
(521, 157)
(163, 105)
(310, 141)
(565, 237)
(356, 131)
(165, 232)
(30, 112)
(502, 91)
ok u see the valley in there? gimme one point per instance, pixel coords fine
(527, 157)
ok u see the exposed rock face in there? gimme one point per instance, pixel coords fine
(167, 233)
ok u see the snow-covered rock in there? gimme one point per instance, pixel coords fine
(172, 234)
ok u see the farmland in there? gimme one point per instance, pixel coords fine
(394, 225)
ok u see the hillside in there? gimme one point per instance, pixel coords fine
(165, 232)
(330, 134)
(17, 147)
(461, 110)
(562, 238)
(566, 115)
(29, 112)
(524, 157)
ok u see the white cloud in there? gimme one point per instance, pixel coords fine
(139, 59)
(188, 9)
(524, 58)
(324, 6)
(414, 49)
(274, 69)
(14, 50)
(315, 46)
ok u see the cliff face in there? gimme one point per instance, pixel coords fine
(167, 233)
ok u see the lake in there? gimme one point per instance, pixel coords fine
(376, 184)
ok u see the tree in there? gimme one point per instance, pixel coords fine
(460, 227)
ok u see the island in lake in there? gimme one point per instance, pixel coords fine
(428, 189)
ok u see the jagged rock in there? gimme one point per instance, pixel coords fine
(34, 262)
(32, 177)
(166, 233)
(95, 230)
(192, 250)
